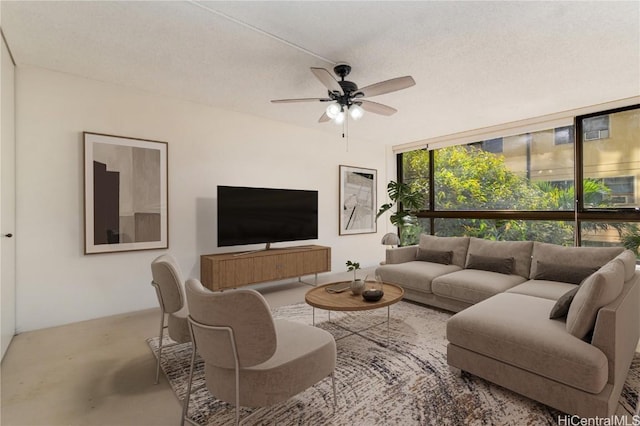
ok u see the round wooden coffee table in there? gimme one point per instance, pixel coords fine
(320, 298)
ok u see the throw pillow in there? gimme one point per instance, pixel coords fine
(582, 256)
(561, 308)
(489, 263)
(563, 273)
(596, 291)
(435, 256)
(458, 245)
(519, 250)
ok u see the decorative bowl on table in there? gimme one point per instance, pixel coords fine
(372, 288)
(372, 295)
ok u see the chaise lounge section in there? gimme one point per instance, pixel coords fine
(504, 293)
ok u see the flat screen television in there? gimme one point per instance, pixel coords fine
(265, 215)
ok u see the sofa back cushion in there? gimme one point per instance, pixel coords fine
(458, 245)
(628, 259)
(592, 257)
(520, 251)
(598, 290)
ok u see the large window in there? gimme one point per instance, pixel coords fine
(608, 208)
(541, 185)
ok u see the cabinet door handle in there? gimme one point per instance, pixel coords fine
(8, 235)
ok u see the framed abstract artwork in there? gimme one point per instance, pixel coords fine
(125, 194)
(358, 187)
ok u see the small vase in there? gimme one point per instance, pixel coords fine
(357, 286)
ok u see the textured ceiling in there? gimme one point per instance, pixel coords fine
(475, 64)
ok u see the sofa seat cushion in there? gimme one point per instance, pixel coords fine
(304, 356)
(551, 290)
(516, 329)
(416, 275)
(472, 285)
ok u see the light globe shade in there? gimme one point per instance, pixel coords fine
(333, 110)
(390, 239)
(339, 118)
(356, 112)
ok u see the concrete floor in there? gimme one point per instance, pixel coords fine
(100, 372)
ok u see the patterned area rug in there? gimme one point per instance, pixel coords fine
(407, 382)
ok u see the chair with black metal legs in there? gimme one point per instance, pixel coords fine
(167, 281)
(252, 360)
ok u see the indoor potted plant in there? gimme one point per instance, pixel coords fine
(409, 201)
(357, 285)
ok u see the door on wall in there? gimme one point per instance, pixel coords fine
(7, 201)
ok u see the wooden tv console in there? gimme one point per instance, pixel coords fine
(230, 270)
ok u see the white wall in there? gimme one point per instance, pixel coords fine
(57, 284)
(7, 197)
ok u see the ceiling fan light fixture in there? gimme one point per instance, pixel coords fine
(345, 97)
(356, 112)
(333, 110)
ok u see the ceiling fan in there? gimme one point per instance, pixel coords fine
(346, 97)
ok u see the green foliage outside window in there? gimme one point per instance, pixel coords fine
(468, 178)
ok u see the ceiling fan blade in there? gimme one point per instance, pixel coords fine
(377, 108)
(327, 79)
(387, 86)
(324, 118)
(285, 101)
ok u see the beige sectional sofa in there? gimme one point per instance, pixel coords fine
(504, 293)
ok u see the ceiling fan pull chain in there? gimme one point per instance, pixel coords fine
(345, 129)
(344, 126)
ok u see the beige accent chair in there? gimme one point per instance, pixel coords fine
(167, 281)
(252, 360)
